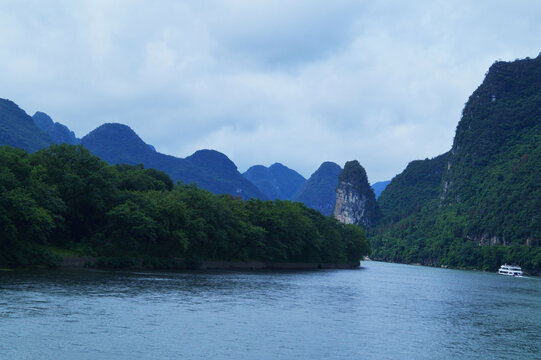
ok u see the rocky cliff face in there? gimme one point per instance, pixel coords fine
(355, 200)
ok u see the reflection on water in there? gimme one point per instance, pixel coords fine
(382, 311)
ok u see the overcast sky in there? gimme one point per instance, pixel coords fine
(296, 82)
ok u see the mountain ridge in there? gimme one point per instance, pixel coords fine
(17, 128)
(119, 144)
(59, 133)
(209, 169)
(483, 205)
(276, 181)
(319, 191)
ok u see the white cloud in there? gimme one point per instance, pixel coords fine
(382, 82)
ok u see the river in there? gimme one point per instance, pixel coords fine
(381, 311)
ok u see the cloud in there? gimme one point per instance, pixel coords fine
(311, 81)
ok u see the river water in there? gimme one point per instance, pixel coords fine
(381, 311)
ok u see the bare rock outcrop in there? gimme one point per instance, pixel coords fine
(355, 200)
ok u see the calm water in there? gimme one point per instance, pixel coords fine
(382, 311)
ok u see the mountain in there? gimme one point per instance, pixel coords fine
(18, 129)
(412, 189)
(494, 168)
(479, 205)
(209, 169)
(276, 181)
(213, 171)
(355, 200)
(118, 144)
(379, 186)
(59, 133)
(319, 192)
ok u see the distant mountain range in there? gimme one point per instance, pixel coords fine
(276, 181)
(59, 133)
(379, 186)
(319, 192)
(209, 169)
(18, 129)
(442, 211)
(118, 144)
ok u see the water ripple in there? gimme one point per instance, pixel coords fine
(384, 311)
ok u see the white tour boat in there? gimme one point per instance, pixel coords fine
(510, 270)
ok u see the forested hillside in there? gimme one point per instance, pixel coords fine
(413, 189)
(62, 200)
(487, 209)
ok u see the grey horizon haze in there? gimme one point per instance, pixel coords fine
(300, 82)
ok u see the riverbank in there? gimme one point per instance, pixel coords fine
(75, 262)
(444, 266)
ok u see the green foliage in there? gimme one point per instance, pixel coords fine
(65, 199)
(137, 178)
(479, 205)
(411, 190)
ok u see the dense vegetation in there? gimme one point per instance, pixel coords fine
(487, 209)
(118, 144)
(413, 189)
(63, 200)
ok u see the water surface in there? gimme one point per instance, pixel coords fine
(382, 311)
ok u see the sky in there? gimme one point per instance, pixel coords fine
(295, 82)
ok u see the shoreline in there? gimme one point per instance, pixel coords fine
(527, 273)
(78, 262)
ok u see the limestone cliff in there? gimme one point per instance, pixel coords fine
(355, 199)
